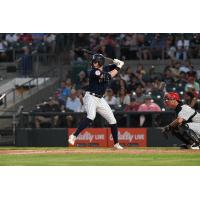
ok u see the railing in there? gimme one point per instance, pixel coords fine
(33, 81)
(125, 119)
(40, 63)
(9, 121)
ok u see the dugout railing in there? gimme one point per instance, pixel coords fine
(124, 119)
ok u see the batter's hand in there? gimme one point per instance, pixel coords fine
(119, 63)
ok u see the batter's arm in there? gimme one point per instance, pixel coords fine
(113, 73)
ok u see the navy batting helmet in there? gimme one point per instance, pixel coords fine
(98, 58)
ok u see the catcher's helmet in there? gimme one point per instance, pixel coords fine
(98, 58)
(172, 96)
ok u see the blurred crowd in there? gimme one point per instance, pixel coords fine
(135, 89)
(12, 44)
(128, 46)
(141, 46)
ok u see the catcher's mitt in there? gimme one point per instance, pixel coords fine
(166, 131)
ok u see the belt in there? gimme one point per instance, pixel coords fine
(96, 95)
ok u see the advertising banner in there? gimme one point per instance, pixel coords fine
(130, 137)
(91, 137)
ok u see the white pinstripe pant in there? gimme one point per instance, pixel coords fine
(95, 105)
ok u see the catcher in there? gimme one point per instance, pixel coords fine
(186, 126)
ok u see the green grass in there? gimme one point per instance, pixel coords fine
(106, 159)
(100, 160)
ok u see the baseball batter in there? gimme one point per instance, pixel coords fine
(186, 126)
(93, 100)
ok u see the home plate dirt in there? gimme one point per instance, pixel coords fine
(99, 151)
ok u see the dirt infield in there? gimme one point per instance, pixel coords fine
(97, 151)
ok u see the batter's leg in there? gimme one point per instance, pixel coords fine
(90, 107)
(82, 125)
(105, 111)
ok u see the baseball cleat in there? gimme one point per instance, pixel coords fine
(118, 146)
(72, 139)
(194, 146)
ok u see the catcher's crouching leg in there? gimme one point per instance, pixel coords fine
(186, 135)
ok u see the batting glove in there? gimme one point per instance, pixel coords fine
(119, 63)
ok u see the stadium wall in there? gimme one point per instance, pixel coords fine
(93, 137)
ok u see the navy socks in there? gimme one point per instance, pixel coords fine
(114, 131)
(83, 124)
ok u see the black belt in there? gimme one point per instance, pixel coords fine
(96, 95)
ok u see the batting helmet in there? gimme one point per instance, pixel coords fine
(98, 58)
(172, 96)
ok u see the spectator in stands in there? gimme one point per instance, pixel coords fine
(192, 83)
(110, 97)
(157, 45)
(67, 120)
(38, 37)
(138, 95)
(123, 98)
(170, 47)
(148, 86)
(140, 70)
(127, 75)
(26, 38)
(147, 106)
(109, 44)
(45, 119)
(144, 45)
(116, 84)
(26, 62)
(182, 81)
(74, 103)
(158, 85)
(12, 38)
(195, 46)
(38, 42)
(82, 40)
(133, 106)
(93, 40)
(50, 40)
(185, 67)
(63, 93)
(190, 99)
(182, 49)
(134, 83)
(3, 49)
(139, 74)
(82, 81)
(168, 77)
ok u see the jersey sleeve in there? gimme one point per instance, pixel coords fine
(109, 68)
(186, 112)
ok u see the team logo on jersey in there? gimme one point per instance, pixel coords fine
(97, 72)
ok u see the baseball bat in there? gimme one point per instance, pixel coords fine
(92, 53)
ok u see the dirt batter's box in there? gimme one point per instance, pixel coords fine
(101, 137)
